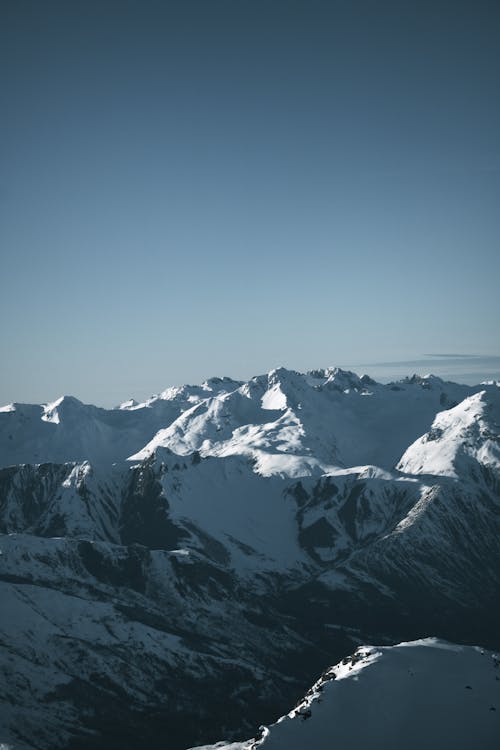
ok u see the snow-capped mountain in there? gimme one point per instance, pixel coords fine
(187, 565)
(328, 416)
(461, 437)
(425, 693)
(68, 430)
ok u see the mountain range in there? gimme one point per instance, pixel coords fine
(179, 571)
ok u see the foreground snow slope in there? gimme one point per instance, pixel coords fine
(426, 693)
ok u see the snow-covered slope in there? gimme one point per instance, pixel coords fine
(288, 422)
(458, 439)
(298, 424)
(426, 693)
(68, 430)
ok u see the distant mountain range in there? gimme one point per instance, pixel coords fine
(179, 571)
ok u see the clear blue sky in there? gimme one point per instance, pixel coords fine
(201, 187)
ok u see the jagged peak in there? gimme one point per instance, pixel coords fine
(342, 380)
(63, 401)
(283, 374)
(174, 393)
(62, 405)
(225, 381)
(425, 381)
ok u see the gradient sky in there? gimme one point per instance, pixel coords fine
(211, 187)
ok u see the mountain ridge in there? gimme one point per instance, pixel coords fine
(438, 694)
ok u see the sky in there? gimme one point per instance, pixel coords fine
(218, 187)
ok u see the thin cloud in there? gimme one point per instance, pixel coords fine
(463, 356)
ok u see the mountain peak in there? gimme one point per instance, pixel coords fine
(468, 431)
(426, 381)
(342, 379)
(64, 405)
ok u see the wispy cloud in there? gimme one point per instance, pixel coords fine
(460, 356)
(463, 368)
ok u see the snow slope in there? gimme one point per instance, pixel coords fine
(68, 430)
(297, 424)
(426, 693)
(458, 438)
(290, 423)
